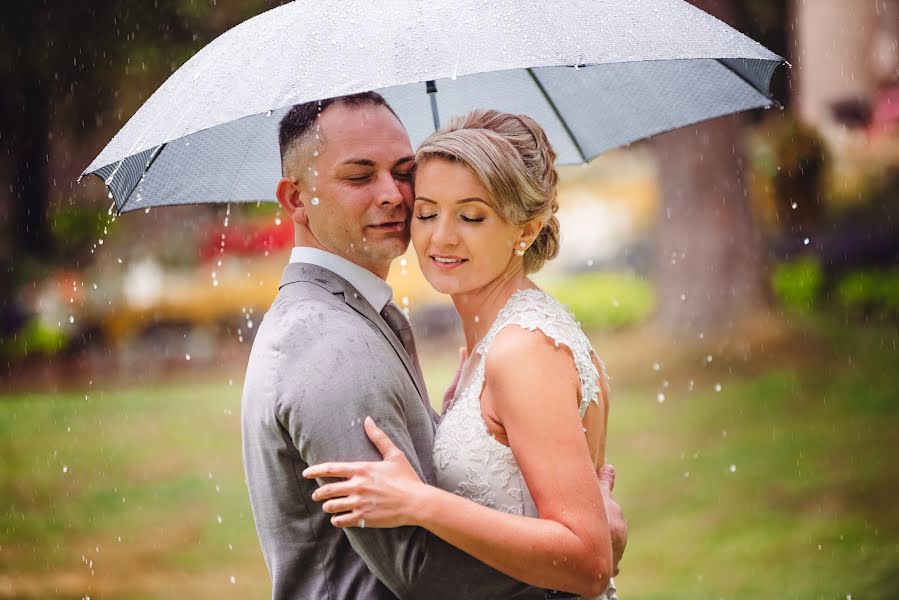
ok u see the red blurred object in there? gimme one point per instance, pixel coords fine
(885, 117)
(245, 240)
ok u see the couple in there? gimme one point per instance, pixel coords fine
(501, 496)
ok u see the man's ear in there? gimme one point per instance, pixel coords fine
(291, 201)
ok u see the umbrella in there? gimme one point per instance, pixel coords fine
(596, 74)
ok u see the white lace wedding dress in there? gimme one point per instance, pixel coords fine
(468, 460)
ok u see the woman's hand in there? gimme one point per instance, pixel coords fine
(375, 494)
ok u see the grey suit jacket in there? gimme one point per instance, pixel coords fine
(322, 361)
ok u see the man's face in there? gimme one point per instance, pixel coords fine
(358, 191)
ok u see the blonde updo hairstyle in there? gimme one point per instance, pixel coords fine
(513, 160)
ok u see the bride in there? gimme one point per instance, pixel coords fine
(517, 449)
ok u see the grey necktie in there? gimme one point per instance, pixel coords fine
(400, 325)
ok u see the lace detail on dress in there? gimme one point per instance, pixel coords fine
(468, 460)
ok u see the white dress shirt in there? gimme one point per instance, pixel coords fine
(374, 289)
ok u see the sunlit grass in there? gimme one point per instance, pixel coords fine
(782, 484)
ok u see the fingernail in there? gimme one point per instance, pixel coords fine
(369, 419)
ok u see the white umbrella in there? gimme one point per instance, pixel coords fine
(596, 74)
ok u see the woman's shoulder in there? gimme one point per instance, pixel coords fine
(532, 310)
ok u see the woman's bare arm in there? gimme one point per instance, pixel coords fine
(568, 547)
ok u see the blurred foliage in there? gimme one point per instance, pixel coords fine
(798, 285)
(788, 166)
(605, 300)
(870, 293)
(34, 339)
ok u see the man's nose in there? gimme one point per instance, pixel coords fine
(388, 192)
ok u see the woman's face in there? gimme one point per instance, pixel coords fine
(461, 242)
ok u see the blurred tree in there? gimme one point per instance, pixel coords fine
(710, 267)
(65, 66)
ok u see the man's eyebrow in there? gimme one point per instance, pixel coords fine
(364, 162)
(462, 201)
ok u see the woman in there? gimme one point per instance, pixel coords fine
(516, 452)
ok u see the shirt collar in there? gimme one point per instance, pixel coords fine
(374, 289)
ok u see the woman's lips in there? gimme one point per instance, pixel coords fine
(447, 263)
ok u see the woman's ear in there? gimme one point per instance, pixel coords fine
(529, 233)
(290, 199)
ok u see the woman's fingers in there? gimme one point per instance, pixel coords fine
(334, 470)
(334, 490)
(383, 443)
(341, 505)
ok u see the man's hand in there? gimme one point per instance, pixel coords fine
(450, 393)
(617, 522)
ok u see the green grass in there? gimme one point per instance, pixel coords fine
(808, 512)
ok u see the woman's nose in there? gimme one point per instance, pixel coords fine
(445, 232)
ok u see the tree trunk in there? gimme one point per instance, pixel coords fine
(710, 266)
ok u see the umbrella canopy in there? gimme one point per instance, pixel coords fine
(596, 74)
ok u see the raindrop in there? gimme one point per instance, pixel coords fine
(187, 357)
(71, 318)
(219, 519)
(315, 201)
(146, 210)
(100, 241)
(660, 397)
(615, 302)
(806, 241)
(589, 262)
(268, 114)
(65, 469)
(120, 260)
(233, 579)
(249, 324)
(717, 387)
(405, 300)
(656, 366)
(708, 358)
(733, 468)
(794, 205)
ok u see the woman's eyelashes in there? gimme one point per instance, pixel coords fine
(427, 216)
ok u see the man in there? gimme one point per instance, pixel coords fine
(332, 350)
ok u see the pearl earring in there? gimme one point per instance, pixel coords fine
(523, 245)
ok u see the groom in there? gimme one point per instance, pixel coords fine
(333, 349)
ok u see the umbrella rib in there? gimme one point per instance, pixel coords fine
(736, 73)
(555, 109)
(150, 162)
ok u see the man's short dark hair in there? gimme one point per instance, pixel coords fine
(299, 119)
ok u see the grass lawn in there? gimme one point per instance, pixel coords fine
(782, 484)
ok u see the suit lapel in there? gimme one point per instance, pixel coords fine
(296, 272)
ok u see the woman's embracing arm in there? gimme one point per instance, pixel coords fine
(568, 547)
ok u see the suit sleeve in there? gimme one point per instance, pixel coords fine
(325, 396)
